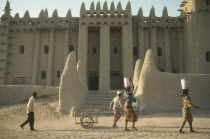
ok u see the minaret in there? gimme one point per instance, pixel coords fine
(4, 38)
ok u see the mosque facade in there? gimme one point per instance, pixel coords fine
(107, 42)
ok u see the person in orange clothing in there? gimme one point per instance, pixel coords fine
(187, 106)
(130, 115)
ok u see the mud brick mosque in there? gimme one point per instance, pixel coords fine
(107, 41)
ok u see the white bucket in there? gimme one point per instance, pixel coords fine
(184, 83)
(127, 82)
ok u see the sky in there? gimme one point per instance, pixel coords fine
(35, 6)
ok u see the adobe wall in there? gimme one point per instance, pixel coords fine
(196, 34)
(11, 94)
(72, 90)
(161, 91)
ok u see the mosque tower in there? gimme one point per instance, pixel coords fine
(4, 40)
(197, 42)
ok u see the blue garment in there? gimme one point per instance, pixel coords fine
(128, 97)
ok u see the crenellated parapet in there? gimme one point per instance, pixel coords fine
(164, 21)
(42, 22)
(105, 12)
(99, 15)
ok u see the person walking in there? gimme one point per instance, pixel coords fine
(116, 105)
(187, 106)
(130, 115)
(30, 111)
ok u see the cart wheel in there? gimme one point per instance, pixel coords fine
(87, 121)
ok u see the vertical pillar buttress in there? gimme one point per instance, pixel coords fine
(167, 45)
(181, 63)
(154, 44)
(104, 68)
(141, 48)
(36, 59)
(50, 58)
(66, 45)
(127, 55)
(83, 51)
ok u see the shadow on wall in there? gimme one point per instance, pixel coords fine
(161, 91)
(13, 94)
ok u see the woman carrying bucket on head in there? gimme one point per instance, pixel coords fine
(187, 106)
(130, 115)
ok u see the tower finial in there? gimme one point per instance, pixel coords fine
(119, 6)
(140, 13)
(92, 7)
(112, 6)
(105, 6)
(41, 14)
(46, 13)
(55, 14)
(98, 7)
(17, 15)
(165, 12)
(128, 8)
(26, 15)
(68, 15)
(82, 10)
(152, 12)
(7, 8)
(112, 9)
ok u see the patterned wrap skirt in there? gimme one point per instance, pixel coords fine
(186, 114)
(130, 115)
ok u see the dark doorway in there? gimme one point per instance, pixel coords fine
(93, 82)
(116, 81)
(116, 78)
(93, 57)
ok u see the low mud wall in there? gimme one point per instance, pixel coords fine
(13, 94)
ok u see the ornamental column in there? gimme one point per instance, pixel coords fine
(104, 67)
(127, 51)
(154, 44)
(83, 51)
(66, 45)
(167, 45)
(50, 58)
(36, 59)
(141, 49)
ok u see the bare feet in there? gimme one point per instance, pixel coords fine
(126, 129)
(114, 126)
(134, 128)
(21, 126)
(192, 131)
(180, 131)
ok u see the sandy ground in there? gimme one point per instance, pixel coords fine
(51, 125)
